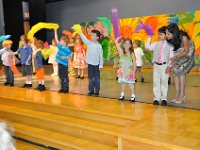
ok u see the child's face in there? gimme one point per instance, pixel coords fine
(23, 42)
(94, 37)
(135, 45)
(8, 46)
(169, 35)
(63, 43)
(127, 45)
(162, 36)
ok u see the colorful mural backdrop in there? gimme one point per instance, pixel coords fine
(187, 21)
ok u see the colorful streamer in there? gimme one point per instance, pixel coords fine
(142, 26)
(115, 21)
(40, 26)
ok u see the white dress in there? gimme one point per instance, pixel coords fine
(52, 57)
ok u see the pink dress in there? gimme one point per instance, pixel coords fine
(79, 57)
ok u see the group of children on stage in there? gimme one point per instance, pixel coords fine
(130, 55)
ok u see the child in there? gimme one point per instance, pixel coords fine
(139, 54)
(38, 65)
(79, 58)
(52, 58)
(6, 59)
(161, 60)
(127, 67)
(25, 52)
(62, 57)
(94, 59)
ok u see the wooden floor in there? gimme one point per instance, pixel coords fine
(79, 122)
(111, 88)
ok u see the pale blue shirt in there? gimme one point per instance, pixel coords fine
(94, 54)
(4, 56)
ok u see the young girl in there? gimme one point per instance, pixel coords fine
(79, 58)
(52, 58)
(38, 65)
(127, 67)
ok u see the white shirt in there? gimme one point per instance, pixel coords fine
(139, 54)
(94, 54)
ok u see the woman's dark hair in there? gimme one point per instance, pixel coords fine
(131, 48)
(98, 34)
(177, 36)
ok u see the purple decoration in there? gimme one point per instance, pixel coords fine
(145, 27)
(115, 21)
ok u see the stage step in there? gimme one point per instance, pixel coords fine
(110, 118)
(56, 140)
(27, 146)
(92, 130)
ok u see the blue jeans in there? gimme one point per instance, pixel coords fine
(94, 78)
(9, 74)
(63, 75)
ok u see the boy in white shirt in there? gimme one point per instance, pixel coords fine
(138, 54)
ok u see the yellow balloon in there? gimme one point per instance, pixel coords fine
(39, 26)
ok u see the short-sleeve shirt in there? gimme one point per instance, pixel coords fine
(63, 51)
(138, 54)
(24, 54)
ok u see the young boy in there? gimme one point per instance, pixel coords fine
(6, 59)
(138, 54)
(38, 65)
(161, 60)
(94, 59)
(25, 52)
(62, 57)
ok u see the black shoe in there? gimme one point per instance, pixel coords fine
(135, 80)
(25, 85)
(97, 93)
(82, 77)
(6, 83)
(116, 78)
(11, 84)
(142, 80)
(169, 80)
(61, 91)
(29, 86)
(91, 93)
(38, 87)
(121, 98)
(42, 88)
(78, 77)
(65, 91)
(155, 102)
(164, 103)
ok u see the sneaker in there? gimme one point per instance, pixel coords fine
(121, 98)
(38, 87)
(97, 93)
(25, 85)
(29, 86)
(82, 77)
(155, 102)
(132, 99)
(11, 84)
(61, 91)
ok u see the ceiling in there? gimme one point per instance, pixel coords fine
(52, 1)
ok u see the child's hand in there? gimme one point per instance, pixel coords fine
(27, 63)
(55, 29)
(77, 28)
(100, 69)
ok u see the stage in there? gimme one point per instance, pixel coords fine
(110, 88)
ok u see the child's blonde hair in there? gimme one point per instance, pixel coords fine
(39, 44)
(6, 42)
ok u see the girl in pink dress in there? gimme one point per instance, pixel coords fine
(79, 58)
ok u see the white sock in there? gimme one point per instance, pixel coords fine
(133, 95)
(29, 82)
(122, 94)
(26, 82)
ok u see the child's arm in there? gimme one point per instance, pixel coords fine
(84, 39)
(149, 46)
(56, 35)
(101, 58)
(29, 57)
(118, 46)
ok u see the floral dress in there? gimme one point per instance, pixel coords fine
(79, 57)
(125, 71)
